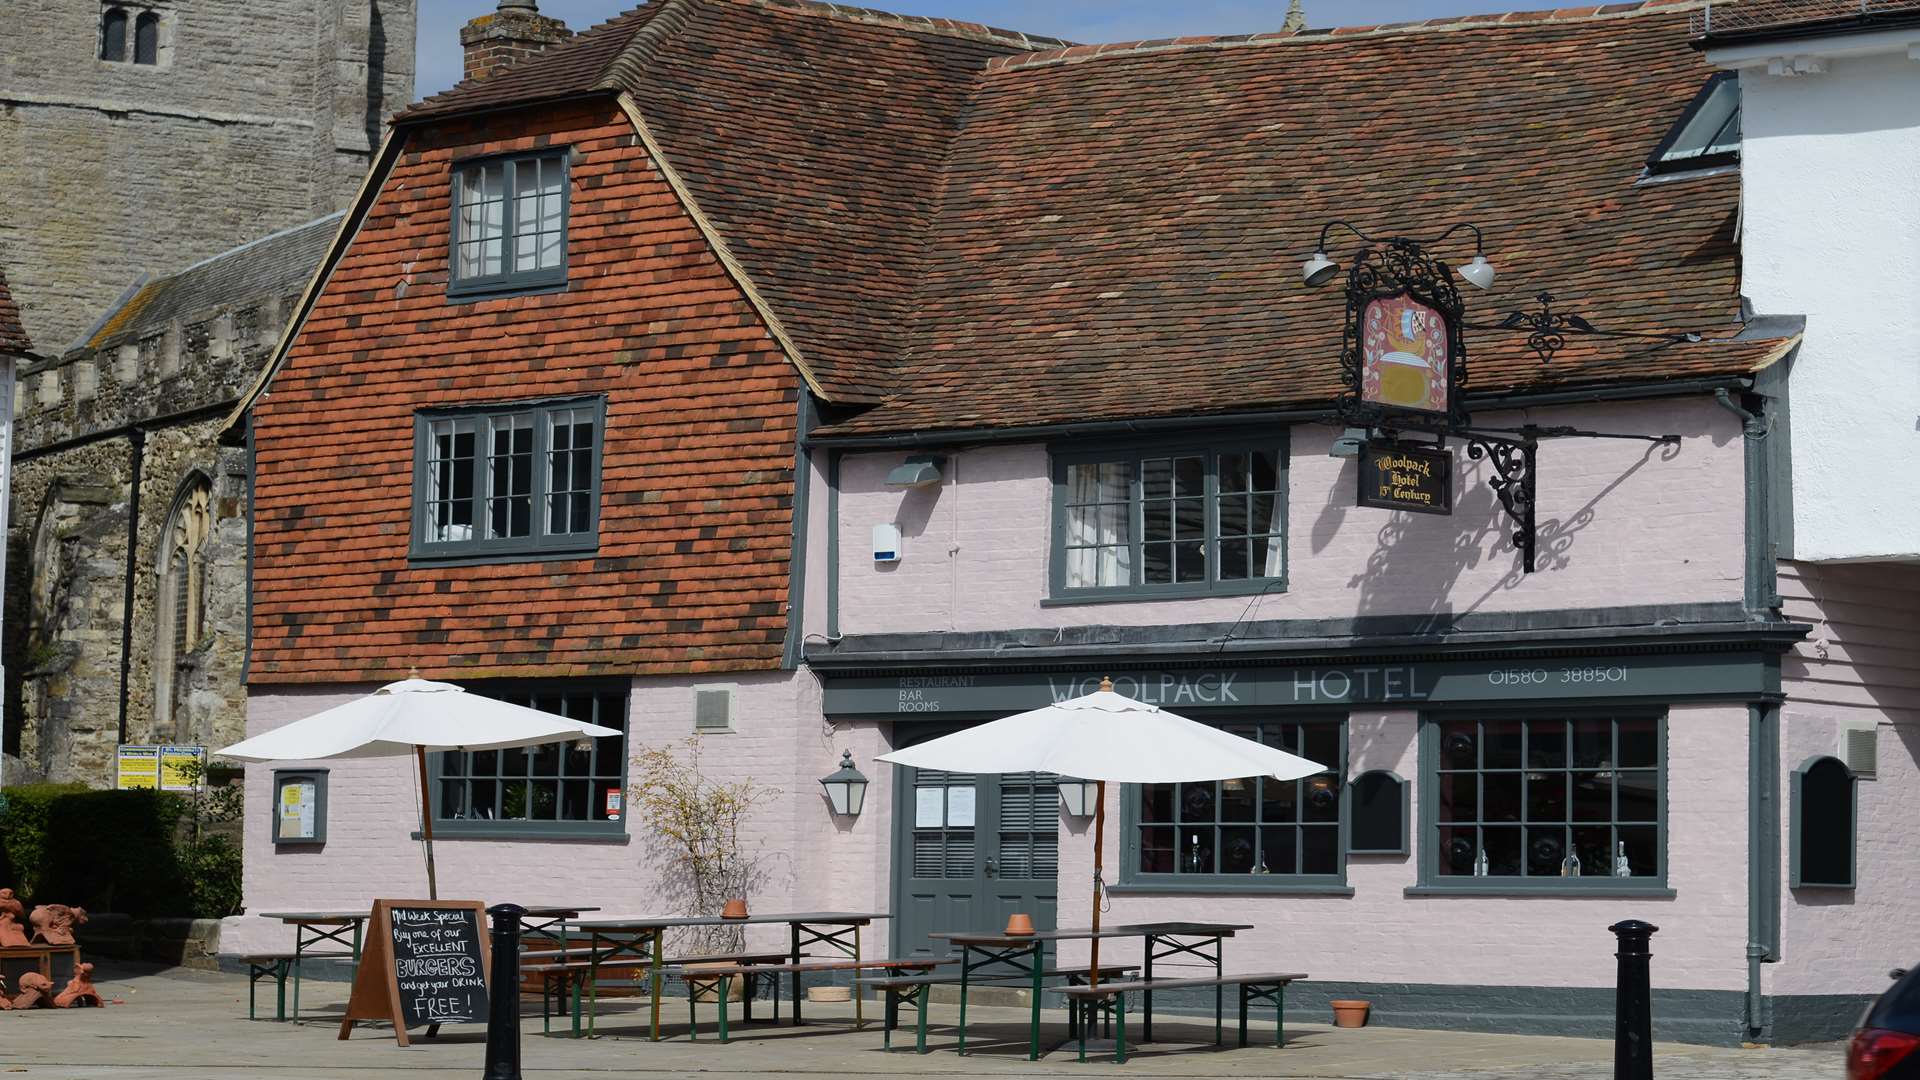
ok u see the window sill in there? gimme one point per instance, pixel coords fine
(467, 294)
(429, 557)
(1227, 888)
(444, 832)
(1649, 891)
(1142, 594)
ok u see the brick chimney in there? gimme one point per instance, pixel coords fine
(516, 30)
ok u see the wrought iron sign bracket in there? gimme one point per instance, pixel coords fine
(1513, 462)
(1547, 329)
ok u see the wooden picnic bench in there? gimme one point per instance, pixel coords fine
(564, 972)
(1269, 987)
(276, 966)
(725, 974)
(912, 990)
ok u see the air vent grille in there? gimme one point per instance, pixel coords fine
(1860, 748)
(713, 709)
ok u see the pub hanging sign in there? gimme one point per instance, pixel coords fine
(1394, 476)
(1404, 359)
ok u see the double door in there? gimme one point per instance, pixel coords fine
(970, 850)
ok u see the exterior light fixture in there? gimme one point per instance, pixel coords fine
(1349, 443)
(1479, 272)
(846, 787)
(1319, 269)
(918, 472)
(1078, 797)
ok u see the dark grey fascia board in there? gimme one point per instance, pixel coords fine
(1679, 628)
(1323, 413)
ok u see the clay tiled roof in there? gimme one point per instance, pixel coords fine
(967, 227)
(13, 337)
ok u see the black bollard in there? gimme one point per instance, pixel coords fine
(503, 997)
(1633, 1002)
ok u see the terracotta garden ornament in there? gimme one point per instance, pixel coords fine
(54, 923)
(36, 990)
(80, 990)
(12, 933)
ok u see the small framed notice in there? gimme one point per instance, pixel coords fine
(299, 806)
(1399, 477)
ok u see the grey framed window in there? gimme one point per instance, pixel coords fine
(506, 480)
(1172, 521)
(557, 789)
(1708, 132)
(509, 228)
(1554, 802)
(1250, 832)
(1825, 820)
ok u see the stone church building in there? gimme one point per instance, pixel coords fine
(170, 174)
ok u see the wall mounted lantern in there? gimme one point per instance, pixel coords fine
(1078, 797)
(846, 787)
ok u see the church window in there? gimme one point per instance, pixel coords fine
(146, 38)
(180, 622)
(113, 34)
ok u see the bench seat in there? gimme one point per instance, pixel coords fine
(1269, 987)
(910, 990)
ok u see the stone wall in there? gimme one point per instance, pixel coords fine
(260, 114)
(65, 619)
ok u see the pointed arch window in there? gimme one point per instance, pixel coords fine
(181, 606)
(113, 34)
(146, 38)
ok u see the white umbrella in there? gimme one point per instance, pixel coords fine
(414, 716)
(1100, 737)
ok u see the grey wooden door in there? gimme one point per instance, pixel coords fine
(968, 851)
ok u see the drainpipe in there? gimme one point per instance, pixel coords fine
(1761, 598)
(137, 455)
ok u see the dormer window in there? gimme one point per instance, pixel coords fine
(509, 224)
(1707, 134)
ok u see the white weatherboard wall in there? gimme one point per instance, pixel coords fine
(1830, 171)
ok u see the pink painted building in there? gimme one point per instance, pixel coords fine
(1062, 411)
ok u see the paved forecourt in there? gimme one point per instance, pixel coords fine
(178, 1024)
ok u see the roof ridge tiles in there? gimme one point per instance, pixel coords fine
(625, 69)
(1529, 19)
(920, 23)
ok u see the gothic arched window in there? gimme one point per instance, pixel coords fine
(180, 607)
(113, 34)
(146, 38)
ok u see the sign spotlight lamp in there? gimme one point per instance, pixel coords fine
(846, 787)
(1319, 269)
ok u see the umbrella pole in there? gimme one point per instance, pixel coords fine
(426, 820)
(1099, 838)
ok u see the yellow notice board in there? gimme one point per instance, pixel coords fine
(139, 767)
(179, 765)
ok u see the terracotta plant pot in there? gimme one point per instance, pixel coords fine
(1350, 1014)
(734, 909)
(1019, 925)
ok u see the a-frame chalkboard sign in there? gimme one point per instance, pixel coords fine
(426, 963)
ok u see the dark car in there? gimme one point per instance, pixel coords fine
(1887, 1046)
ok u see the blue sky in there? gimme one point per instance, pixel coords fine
(1076, 20)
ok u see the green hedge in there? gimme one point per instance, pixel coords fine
(101, 850)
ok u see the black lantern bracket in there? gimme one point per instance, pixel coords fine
(1547, 330)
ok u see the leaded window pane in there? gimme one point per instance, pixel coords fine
(510, 477)
(1254, 825)
(510, 220)
(530, 475)
(1202, 518)
(113, 35)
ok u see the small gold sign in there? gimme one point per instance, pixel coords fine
(1398, 477)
